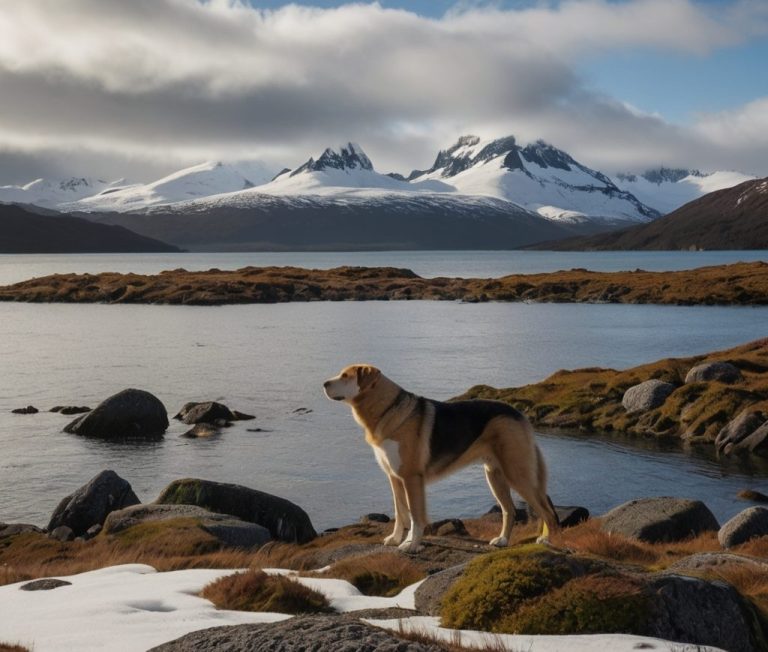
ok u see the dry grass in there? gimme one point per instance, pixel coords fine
(488, 527)
(493, 642)
(757, 547)
(255, 590)
(383, 574)
(10, 647)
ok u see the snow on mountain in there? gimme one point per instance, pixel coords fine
(538, 177)
(667, 189)
(209, 178)
(51, 193)
(343, 171)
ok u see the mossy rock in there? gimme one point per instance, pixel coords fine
(494, 586)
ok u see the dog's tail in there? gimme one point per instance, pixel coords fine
(541, 472)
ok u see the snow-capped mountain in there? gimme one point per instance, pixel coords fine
(667, 189)
(51, 193)
(346, 170)
(209, 178)
(539, 177)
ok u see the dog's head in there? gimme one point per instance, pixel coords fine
(351, 382)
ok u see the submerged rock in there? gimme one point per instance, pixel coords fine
(285, 520)
(70, 409)
(646, 396)
(659, 520)
(129, 414)
(92, 502)
(30, 409)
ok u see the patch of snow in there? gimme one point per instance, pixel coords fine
(51, 193)
(572, 643)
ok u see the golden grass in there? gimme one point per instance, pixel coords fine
(255, 590)
(384, 574)
(10, 647)
(493, 643)
(740, 283)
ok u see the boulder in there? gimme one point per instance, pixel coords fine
(430, 592)
(209, 412)
(285, 520)
(92, 502)
(723, 372)
(70, 409)
(746, 525)
(62, 533)
(30, 409)
(130, 414)
(46, 584)
(646, 396)
(446, 527)
(12, 529)
(297, 634)
(731, 436)
(703, 562)
(230, 531)
(660, 519)
(695, 611)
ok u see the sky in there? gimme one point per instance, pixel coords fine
(140, 88)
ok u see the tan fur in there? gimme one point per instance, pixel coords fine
(399, 427)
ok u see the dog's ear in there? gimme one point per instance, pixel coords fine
(366, 376)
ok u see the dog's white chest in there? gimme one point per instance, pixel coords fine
(388, 456)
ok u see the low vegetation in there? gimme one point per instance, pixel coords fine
(737, 284)
(255, 590)
(384, 574)
(10, 647)
(590, 400)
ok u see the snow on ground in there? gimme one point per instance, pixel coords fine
(131, 608)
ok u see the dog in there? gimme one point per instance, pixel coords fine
(417, 440)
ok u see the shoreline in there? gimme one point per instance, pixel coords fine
(738, 284)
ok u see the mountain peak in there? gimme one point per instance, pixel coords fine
(348, 157)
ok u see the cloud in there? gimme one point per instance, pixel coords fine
(160, 83)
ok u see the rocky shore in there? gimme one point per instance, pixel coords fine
(717, 399)
(653, 567)
(737, 284)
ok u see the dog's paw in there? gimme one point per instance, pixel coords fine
(392, 540)
(499, 542)
(410, 546)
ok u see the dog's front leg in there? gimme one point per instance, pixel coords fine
(414, 492)
(402, 515)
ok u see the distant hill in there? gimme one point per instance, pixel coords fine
(733, 218)
(25, 232)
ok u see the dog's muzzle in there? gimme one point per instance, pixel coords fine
(326, 385)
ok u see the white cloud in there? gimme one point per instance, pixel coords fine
(176, 81)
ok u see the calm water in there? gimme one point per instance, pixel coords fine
(482, 264)
(270, 360)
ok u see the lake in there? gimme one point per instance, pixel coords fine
(270, 360)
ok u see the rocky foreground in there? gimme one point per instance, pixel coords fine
(654, 567)
(737, 284)
(718, 398)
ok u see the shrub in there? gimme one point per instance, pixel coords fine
(495, 586)
(586, 605)
(258, 591)
(382, 574)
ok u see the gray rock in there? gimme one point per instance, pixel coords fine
(375, 517)
(723, 372)
(130, 414)
(446, 527)
(12, 529)
(646, 396)
(695, 611)
(702, 562)
(285, 520)
(230, 531)
(47, 584)
(299, 634)
(756, 443)
(207, 412)
(660, 519)
(62, 533)
(93, 531)
(91, 503)
(746, 525)
(431, 591)
(738, 429)
(30, 409)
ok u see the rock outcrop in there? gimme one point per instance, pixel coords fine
(285, 520)
(129, 414)
(92, 502)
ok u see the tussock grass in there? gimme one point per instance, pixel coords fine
(255, 590)
(384, 574)
(11, 647)
(454, 644)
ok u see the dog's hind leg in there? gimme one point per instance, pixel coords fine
(402, 515)
(417, 505)
(500, 490)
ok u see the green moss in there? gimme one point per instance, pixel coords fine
(495, 586)
(585, 605)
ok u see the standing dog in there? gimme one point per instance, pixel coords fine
(417, 440)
